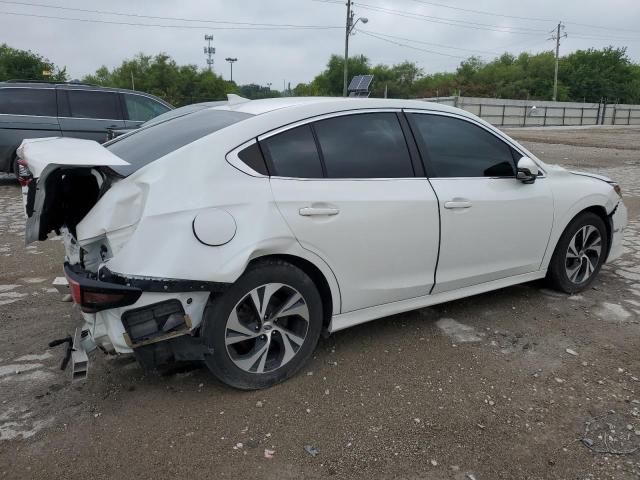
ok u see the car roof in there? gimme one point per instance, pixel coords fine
(259, 107)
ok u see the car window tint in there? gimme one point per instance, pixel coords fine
(366, 145)
(141, 109)
(457, 148)
(150, 143)
(293, 153)
(93, 104)
(28, 101)
(252, 157)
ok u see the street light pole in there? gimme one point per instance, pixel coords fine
(231, 62)
(348, 31)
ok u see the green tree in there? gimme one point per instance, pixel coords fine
(162, 76)
(595, 74)
(26, 65)
(254, 91)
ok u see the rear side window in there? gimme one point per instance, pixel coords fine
(457, 148)
(28, 101)
(141, 109)
(150, 143)
(366, 145)
(252, 157)
(293, 153)
(93, 104)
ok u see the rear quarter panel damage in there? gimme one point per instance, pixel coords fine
(150, 214)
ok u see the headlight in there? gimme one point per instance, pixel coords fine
(616, 188)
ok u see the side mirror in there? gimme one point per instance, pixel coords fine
(527, 170)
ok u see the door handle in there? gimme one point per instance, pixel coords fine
(317, 211)
(457, 204)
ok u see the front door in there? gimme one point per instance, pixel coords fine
(493, 226)
(347, 189)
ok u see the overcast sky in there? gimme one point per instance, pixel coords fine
(298, 55)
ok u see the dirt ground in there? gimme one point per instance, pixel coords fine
(520, 383)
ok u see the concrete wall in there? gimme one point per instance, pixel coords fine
(521, 113)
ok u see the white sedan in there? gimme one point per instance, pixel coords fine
(237, 234)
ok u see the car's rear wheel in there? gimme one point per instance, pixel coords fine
(264, 328)
(14, 166)
(579, 254)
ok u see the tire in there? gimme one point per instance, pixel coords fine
(14, 166)
(287, 330)
(579, 254)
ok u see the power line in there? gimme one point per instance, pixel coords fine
(399, 44)
(448, 21)
(535, 19)
(153, 17)
(428, 43)
(191, 27)
(493, 14)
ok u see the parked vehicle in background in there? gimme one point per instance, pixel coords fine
(34, 109)
(178, 112)
(298, 216)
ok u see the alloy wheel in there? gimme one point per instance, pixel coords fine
(267, 328)
(583, 254)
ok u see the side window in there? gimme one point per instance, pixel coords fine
(293, 153)
(28, 101)
(252, 157)
(457, 148)
(93, 104)
(364, 145)
(141, 109)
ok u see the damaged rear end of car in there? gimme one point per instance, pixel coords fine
(85, 194)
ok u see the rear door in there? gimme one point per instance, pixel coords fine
(25, 112)
(89, 114)
(493, 225)
(347, 187)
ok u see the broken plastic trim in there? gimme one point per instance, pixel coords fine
(94, 295)
(161, 285)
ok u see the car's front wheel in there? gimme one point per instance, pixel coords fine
(579, 254)
(264, 328)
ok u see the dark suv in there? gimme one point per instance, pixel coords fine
(31, 109)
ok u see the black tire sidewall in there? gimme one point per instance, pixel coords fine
(217, 313)
(557, 271)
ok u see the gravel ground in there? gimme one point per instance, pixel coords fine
(502, 385)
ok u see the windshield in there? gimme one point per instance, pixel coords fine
(153, 142)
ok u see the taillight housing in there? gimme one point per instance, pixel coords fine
(24, 174)
(93, 295)
(617, 189)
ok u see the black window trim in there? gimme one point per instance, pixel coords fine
(311, 120)
(505, 140)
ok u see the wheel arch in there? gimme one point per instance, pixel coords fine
(329, 302)
(597, 209)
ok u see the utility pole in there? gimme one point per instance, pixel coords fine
(346, 47)
(348, 31)
(555, 35)
(209, 50)
(231, 62)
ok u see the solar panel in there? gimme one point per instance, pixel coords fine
(355, 81)
(365, 82)
(359, 86)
